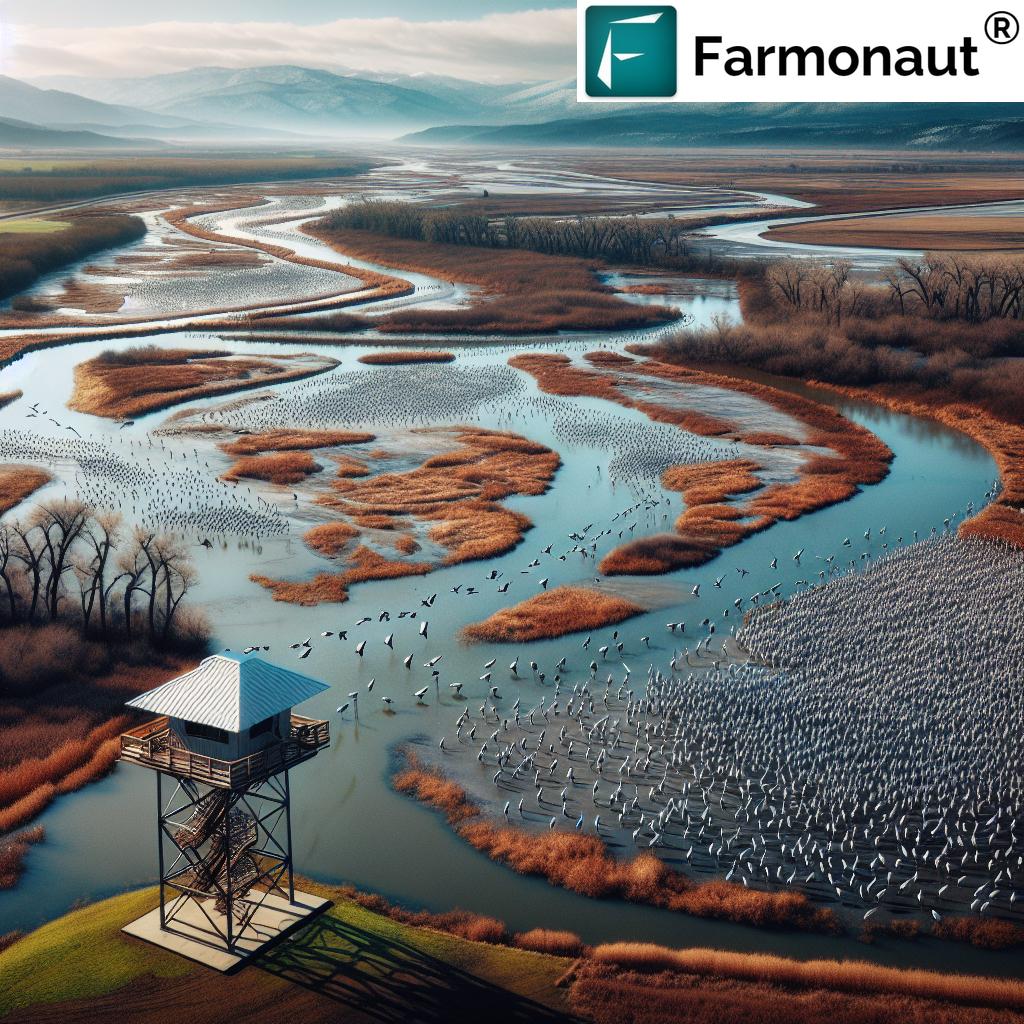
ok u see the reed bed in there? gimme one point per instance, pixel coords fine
(850, 976)
(983, 932)
(364, 564)
(608, 995)
(551, 614)
(455, 494)
(470, 925)
(581, 863)
(277, 468)
(398, 357)
(293, 440)
(125, 384)
(522, 292)
(13, 850)
(17, 482)
(708, 524)
(330, 539)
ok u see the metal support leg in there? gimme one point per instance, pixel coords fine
(160, 844)
(288, 833)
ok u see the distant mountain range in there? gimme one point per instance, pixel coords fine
(16, 134)
(212, 105)
(991, 126)
(312, 103)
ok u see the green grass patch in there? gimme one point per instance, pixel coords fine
(84, 954)
(31, 226)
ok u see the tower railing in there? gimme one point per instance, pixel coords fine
(155, 745)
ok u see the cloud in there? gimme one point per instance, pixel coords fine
(524, 45)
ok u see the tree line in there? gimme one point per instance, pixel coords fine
(656, 241)
(27, 256)
(69, 562)
(939, 286)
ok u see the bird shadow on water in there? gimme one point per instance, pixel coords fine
(389, 980)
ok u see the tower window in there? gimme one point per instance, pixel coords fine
(206, 732)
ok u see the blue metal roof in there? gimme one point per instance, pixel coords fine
(230, 691)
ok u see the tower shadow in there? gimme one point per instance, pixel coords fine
(388, 980)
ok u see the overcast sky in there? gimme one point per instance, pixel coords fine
(495, 40)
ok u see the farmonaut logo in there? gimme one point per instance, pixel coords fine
(630, 51)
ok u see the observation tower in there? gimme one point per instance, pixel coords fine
(222, 747)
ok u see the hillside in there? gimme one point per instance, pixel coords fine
(866, 125)
(22, 135)
(349, 964)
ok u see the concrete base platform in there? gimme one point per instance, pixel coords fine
(190, 935)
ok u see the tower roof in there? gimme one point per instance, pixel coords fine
(229, 691)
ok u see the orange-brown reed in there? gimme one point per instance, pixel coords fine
(710, 522)
(12, 855)
(60, 716)
(18, 482)
(581, 863)
(522, 292)
(276, 468)
(456, 492)
(649, 984)
(469, 925)
(326, 587)
(983, 932)
(293, 440)
(552, 613)
(397, 357)
(855, 976)
(135, 381)
(330, 538)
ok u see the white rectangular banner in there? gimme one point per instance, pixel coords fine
(800, 51)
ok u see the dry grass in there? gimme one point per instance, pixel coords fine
(983, 932)
(850, 976)
(12, 855)
(607, 994)
(709, 524)
(522, 292)
(551, 614)
(131, 382)
(456, 494)
(364, 564)
(276, 468)
(330, 539)
(397, 357)
(554, 942)
(582, 864)
(645, 289)
(61, 711)
(464, 923)
(90, 296)
(293, 440)
(930, 232)
(18, 482)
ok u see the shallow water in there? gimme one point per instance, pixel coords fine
(348, 824)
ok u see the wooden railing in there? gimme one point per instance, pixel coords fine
(155, 746)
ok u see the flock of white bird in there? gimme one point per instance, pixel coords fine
(867, 753)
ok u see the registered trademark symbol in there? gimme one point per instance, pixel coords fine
(1002, 27)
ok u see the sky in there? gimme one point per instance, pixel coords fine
(495, 41)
